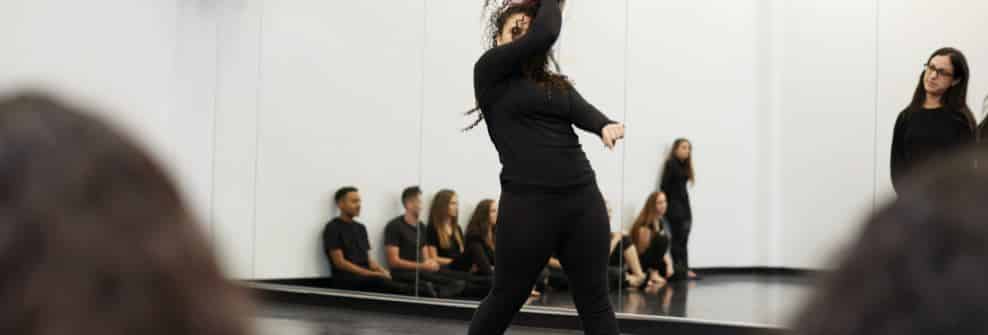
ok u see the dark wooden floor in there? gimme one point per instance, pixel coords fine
(745, 299)
(308, 320)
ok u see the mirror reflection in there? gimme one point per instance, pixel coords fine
(702, 159)
(718, 182)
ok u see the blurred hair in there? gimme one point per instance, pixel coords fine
(94, 237)
(918, 265)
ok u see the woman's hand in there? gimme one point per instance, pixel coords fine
(611, 134)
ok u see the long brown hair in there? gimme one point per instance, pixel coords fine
(543, 69)
(955, 98)
(441, 220)
(648, 217)
(690, 172)
(94, 236)
(480, 222)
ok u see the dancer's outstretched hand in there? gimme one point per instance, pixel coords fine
(611, 134)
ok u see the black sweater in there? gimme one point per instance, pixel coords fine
(530, 124)
(922, 134)
(674, 179)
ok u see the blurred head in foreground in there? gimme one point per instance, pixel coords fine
(94, 237)
(920, 263)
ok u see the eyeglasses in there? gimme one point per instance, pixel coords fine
(940, 72)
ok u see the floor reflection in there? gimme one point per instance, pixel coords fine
(757, 299)
(277, 319)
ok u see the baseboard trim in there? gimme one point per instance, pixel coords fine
(759, 270)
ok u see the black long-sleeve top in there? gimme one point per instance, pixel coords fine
(674, 180)
(923, 133)
(531, 124)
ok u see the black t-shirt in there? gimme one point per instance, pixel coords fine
(432, 239)
(399, 233)
(350, 237)
(531, 124)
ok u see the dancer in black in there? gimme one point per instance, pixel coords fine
(678, 173)
(938, 120)
(550, 202)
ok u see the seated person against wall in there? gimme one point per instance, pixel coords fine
(404, 238)
(445, 244)
(624, 264)
(480, 238)
(348, 249)
(444, 237)
(651, 239)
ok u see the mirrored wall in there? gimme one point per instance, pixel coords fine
(788, 107)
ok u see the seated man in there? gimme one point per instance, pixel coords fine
(348, 249)
(405, 240)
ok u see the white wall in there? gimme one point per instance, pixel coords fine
(235, 174)
(264, 108)
(340, 102)
(690, 73)
(826, 107)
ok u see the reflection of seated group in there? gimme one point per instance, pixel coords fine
(451, 264)
(447, 264)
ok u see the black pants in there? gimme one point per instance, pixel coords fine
(372, 284)
(680, 230)
(532, 225)
(557, 279)
(445, 286)
(477, 286)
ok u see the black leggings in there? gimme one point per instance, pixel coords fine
(680, 230)
(373, 284)
(532, 225)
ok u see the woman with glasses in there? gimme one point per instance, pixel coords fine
(938, 118)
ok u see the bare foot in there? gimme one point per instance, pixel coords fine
(654, 287)
(535, 294)
(636, 280)
(691, 274)
(655, 284)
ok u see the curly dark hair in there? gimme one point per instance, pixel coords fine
(95, 237)
(918, 266)
(543, 69)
